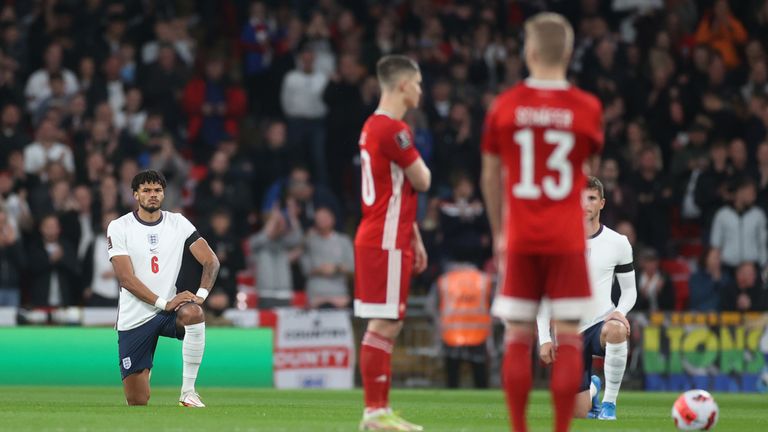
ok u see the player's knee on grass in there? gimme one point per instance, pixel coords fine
(190, 313)
(583, 405)
(615, 331)
(137, 399)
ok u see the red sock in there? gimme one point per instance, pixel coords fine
(376, 369)
(517, 377)
(565, 382)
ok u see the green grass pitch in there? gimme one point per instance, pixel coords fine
(103, 409)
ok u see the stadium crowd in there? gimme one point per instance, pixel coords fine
(252, 110)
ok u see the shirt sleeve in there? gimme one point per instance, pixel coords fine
(542, 322)
(625, 252)
(399, 146)
(185, 227)
(490, 142)
(116, 243)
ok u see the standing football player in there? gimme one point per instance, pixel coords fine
(605, 334)
(146, 248)
(388, 246)
(539, 136)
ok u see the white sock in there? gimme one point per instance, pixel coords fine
(615, 363)
(192, 354)
(592, 390)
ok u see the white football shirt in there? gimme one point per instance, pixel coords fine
(156, 251)
(608, 252)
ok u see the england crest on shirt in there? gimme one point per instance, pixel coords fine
(153, 239)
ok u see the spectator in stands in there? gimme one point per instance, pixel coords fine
(739, 233)
(713, 186)
(256, 44)
(58, 98)
(214, 107)
(102, 288)
(653, 200)
(308, 196)
(47, 148)
(463, 224)
(38, 85)
(172, 34)
(83, 199)
(708, 284)
(229, 250)
(133, 115)
(220, 189)
(620, 203)
(163, 82)
(655, 291)
(12, 136)
(56, 267)
(302, 102)
(747, 295)
(12, 261)
(346, 115)
(723, 32)
(15, 205)
(328, 262)
(166, 159)
(457, 147)
(272, 160)
(762, 175)
(273, 250)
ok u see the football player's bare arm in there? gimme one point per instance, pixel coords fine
(419, 175)
(128, 280)
(491, 186)
(207, 258)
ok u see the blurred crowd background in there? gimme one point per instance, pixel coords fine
(252, 110)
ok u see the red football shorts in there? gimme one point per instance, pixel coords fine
(382, 282)
(526, 278)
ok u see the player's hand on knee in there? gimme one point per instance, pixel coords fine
(180, 299)
(547, 352)
(618, 316)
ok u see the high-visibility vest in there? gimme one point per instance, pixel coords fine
(465, 297)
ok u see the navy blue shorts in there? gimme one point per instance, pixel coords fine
(137, 346)
(592, 347)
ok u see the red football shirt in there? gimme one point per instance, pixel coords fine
(388, 199)
(543, 132)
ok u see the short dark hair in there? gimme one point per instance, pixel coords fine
(390, 67)
(593, 183)
(148, 176)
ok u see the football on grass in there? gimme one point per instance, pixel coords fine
(695, 410)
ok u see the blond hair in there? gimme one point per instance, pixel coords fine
(551, 35)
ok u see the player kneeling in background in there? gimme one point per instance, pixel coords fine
(146, 248)
(605, 334)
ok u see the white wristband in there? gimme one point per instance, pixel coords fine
(203, 293)
(160, 303)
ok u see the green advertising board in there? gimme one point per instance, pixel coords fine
(89, 356)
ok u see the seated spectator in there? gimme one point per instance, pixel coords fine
(58, 98)
(328, 262)
(723, 32)
(38, 85)
(12, 261)
(214, 107)
(12, 136)
(708, 284)
(221, 189)
(56, 267)
(463, 224)
(229, 251)
(166, 159)
(739, 232)
(747, 295)
(101, 286)
(299, 187)
(273, 250)
(655, 291)
(47, 148)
